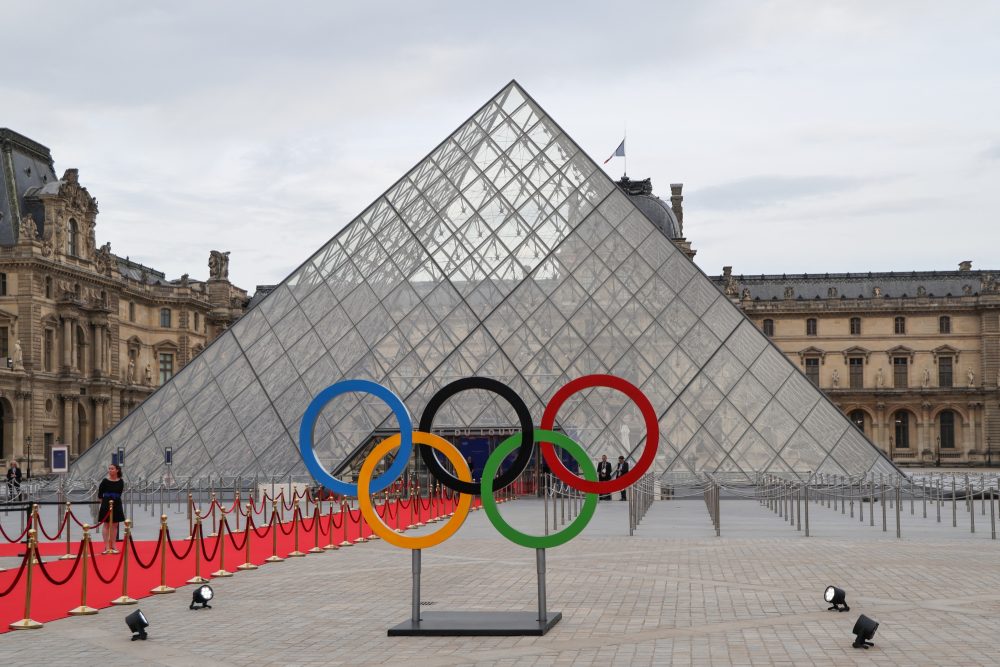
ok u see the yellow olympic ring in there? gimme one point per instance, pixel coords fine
(375, 521)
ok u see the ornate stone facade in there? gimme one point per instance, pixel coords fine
(912, 358)
(85, 335)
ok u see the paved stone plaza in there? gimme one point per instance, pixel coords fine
(672, 594)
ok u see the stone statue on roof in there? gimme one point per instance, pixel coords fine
(218, 265)
(29, 230)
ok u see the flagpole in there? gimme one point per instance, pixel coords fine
(624, 141)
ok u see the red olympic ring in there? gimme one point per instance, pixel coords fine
(645, 461)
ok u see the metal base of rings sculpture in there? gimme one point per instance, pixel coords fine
(477, 623)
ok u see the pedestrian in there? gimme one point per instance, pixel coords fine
(620, 470)
(604, 474)
(111, 489)
(13, 480)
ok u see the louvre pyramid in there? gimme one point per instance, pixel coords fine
(508, 253)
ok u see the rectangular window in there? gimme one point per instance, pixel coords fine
(768, 328)
(811, 326)
(944, 324)
(165, 318)
(3, 284)
(197, 321)
(4, 346)
(856, 366)
(812, 370)
(944, 372)
(855, 326)
(899, 325)
(131, 311)
(900, 377)
(50, 337)
(166, 367)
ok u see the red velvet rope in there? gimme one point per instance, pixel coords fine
(62, 524)
(76, 564)
(171, 545)
(267, 531)
(201, 538)
(135, 554)
(341, 515)
(17, 577)
(290, 524)
(232, 539)
(75, 520)
(97, 570)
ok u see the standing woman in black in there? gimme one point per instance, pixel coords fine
(111, 489)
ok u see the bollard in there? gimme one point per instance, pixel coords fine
(898, 499)
(220, 542)
(83, 609)
(881, 481)
(972, 506)
(162, 547)
(68, 555)
(198, 542)
(31, 554)
(954, 507)
(993, 516)
(124, 598)
(807, 505)
(248, 565)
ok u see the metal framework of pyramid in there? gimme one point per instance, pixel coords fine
(507, 253)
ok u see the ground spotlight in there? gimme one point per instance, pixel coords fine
(137, 623)
(201, 596)
(864, 629)
(837, 598)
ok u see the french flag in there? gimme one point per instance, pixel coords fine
(619, 152)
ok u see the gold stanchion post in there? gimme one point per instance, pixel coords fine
(248, 565)
(125, 599)
(344, 516)
(215, 526)
(361, 528)
(163, 588)
(295, 553)
(68, 514)
(197, 545)
(316, 549)
(26, 623)
(83, 609)
(274, 557)
(221, 547)
(190, 516)
(331, 545)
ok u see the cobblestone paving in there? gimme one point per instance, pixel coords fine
(673, 594)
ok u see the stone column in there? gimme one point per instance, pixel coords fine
(99, 403)
(99, 349)
(878, 428)
(19, 419)
(69, 410)
(67, 355)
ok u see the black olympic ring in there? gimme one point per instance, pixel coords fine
(524, 452)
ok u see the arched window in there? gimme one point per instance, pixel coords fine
(855, 326)
(901, 421)
(769, 328)
(811, 326)
(899, 325)
(858, 419)
(946, 426)
(73, 240)
(165, 318)
(944, 324)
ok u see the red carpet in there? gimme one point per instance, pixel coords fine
(50, 600)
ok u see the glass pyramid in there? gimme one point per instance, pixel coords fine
(506, 252)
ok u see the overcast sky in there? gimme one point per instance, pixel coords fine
(810, 136)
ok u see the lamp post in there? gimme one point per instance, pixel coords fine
(27, 441)
(989, 453)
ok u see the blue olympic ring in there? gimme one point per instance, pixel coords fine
(317, 470)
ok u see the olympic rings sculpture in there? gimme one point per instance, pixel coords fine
(461, 482)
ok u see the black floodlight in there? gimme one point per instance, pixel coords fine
(137, 623)
(837, 598)
(864, 630)
(201, 596)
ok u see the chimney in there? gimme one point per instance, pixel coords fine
(965, 266)
(675, 203)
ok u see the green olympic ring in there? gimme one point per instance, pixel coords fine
(511, 533)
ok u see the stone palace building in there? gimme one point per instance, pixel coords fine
(85, 334)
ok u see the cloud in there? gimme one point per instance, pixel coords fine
(763, 191)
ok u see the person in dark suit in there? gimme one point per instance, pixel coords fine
(620, 470)
(13, 480)
(604, 474)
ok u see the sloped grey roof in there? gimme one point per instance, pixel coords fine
(29, 168)
(890, 284)
(659, 212)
